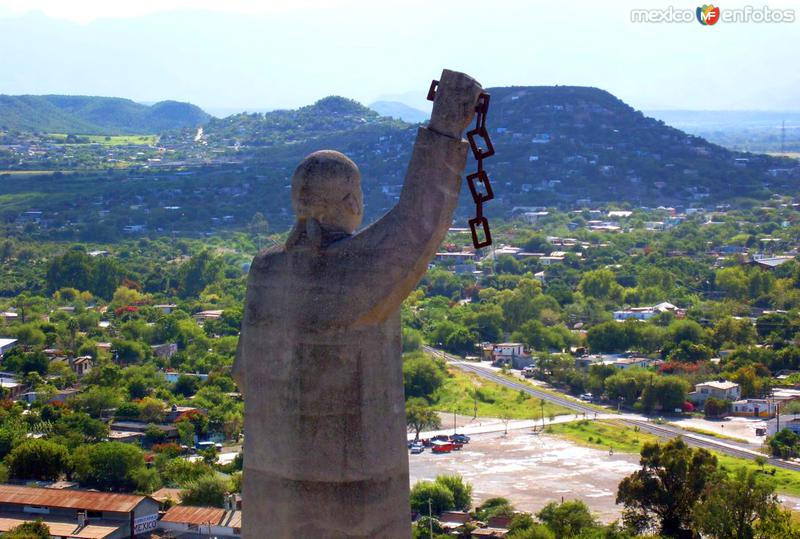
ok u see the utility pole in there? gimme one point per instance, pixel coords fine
(541, 404)
(455, 428)
(430, 519)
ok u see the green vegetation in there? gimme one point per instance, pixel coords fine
(105, 140)
(29, 530)
(624, 438)
(603, 435)
(679, 491)
(462, 391)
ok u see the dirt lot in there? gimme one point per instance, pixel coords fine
(532, 470)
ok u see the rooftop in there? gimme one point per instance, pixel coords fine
(187, 514)
(61, 527)
(69, 499)
(716, 384)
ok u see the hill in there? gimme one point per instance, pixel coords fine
(556, 145)
(94, 115)
(329, 115)
(565, 147)
(401, 111)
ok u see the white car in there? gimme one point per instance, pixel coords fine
(416, 449)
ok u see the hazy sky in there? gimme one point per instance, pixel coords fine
(236, 54)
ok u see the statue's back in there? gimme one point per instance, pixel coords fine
(324, 404)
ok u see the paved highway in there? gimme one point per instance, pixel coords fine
(727, 447)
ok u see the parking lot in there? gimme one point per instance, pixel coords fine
(532, 470)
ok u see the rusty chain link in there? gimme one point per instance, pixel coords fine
(480, 153)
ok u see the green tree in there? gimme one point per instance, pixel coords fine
(613, 336)
(784, 444)
(462, 491)
(441, 498)
(105, 276)
(35, 529)
(567, 519)
(741, 506)
(600, 284)
(208, 490)
(97, 400)
(495, 506)
(537, 531)
(38, 459)
(71, 270)
(671, 480)
(734, 282)
(666, 393)
(420, 416)
(197, 273)
(422, 375)
(108, 466)
(628, 384)
(715, 407)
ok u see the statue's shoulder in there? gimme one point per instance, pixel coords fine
(268, 257)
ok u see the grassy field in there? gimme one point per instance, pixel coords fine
(18, 173)
(603, 434)
(555, 393)
(460, 390)
(114, 140)
(621, 437)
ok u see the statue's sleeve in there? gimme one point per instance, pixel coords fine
(396, 250)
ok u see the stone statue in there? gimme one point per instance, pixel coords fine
(319, 359)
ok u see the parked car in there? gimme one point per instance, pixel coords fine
(440, 446)
(588, 397)
(528, 371)
(417, 449)
(459, 438)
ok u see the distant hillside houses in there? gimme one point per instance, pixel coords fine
(646, 313)
(620, 361)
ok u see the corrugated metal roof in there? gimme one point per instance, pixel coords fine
(232, 520)
(60, 527)
(70, 499)
(188, 514)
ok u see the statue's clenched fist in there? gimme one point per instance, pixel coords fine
(454, 104)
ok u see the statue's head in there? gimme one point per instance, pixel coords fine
(326, 186)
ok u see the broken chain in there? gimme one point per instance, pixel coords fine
(478, 177)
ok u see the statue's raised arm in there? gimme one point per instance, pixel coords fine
(398, 248)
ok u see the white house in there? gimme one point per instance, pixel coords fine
(754, 408)
(6, 345)
(628, 362)
(511, 353)
(722, 390)
(785, 421)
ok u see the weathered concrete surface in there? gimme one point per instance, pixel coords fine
(319, 356)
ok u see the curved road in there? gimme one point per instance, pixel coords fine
(727, 447)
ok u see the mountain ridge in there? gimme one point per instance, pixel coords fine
(95, 115)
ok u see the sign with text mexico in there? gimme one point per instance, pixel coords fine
(145, 524)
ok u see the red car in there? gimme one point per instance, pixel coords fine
(442, 447)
